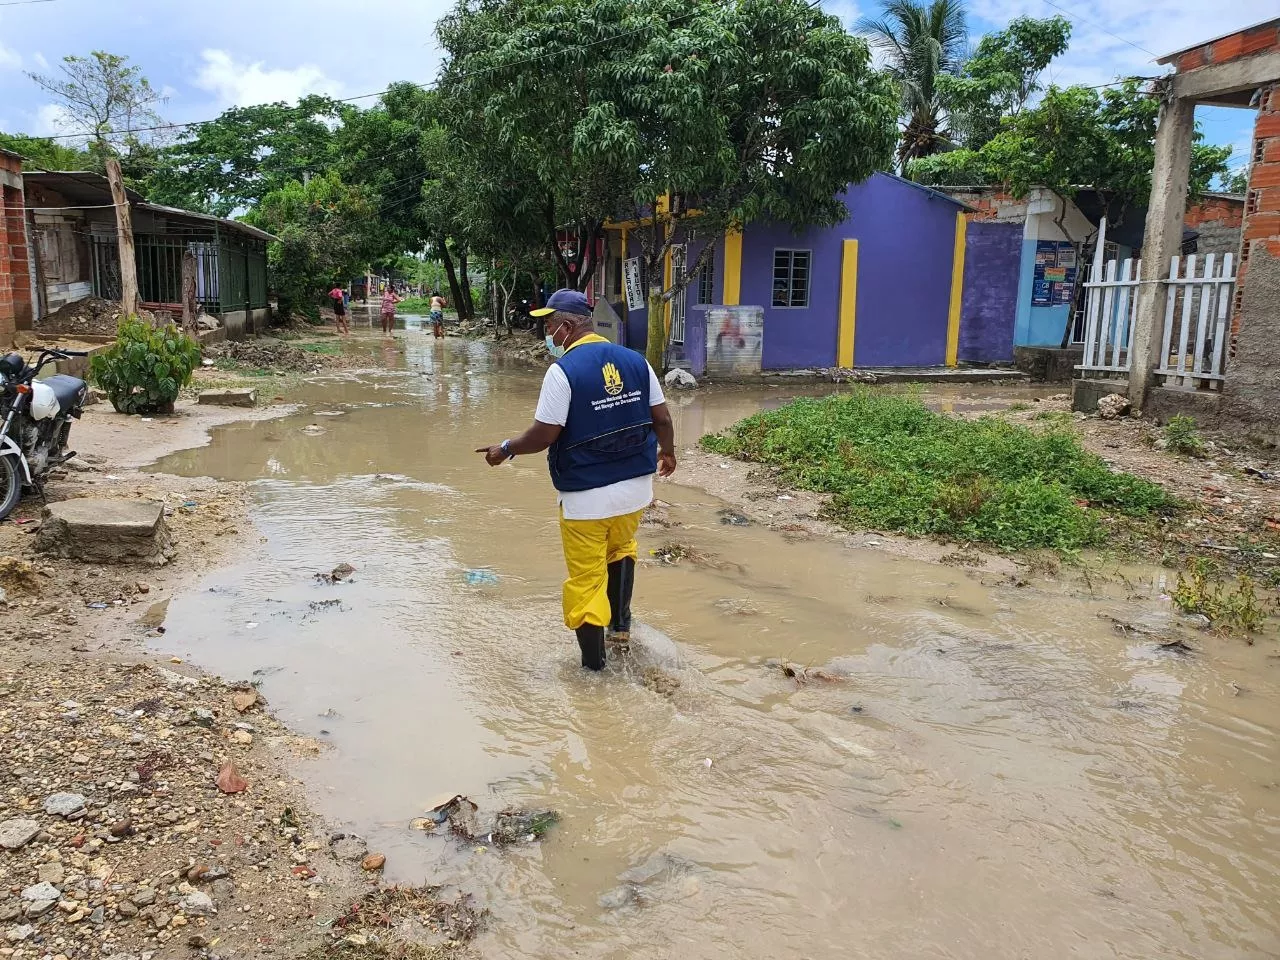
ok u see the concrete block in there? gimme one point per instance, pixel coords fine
(234, 397)
(106, 531)
(1048, 364)
(1085, 394)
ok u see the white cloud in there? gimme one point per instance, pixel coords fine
(51, 120)
(39, 60)
(240, 83)
(9, 59)
(1127, 36)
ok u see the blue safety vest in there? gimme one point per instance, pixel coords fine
(608, 435)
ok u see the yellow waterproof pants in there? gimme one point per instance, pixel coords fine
(589, 547)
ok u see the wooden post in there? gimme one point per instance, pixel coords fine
(189, 308)
(124, 240)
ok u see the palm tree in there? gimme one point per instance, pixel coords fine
(921, 41)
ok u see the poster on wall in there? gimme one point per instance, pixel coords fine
(631, 276)
(1054, 279)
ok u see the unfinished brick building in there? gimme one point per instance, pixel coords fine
(15, 271)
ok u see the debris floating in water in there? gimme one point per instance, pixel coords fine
(480, 578)
(341, 572)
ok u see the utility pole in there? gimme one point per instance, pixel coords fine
(124, 239)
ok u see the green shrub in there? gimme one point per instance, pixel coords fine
(145, 368)
(1236, 609)
(891, 464)
(1181, 435)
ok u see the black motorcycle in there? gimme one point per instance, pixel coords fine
(37, 422)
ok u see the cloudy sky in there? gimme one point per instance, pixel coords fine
(208, 57)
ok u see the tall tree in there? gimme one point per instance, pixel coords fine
(109, 102)
(45, 153)
(1075, 137)
(232, 162)
(327, 232)
(1001, 77)
(922, 42)
(762, 109)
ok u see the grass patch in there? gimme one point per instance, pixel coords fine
(891, 464)
(1181, 435)
(1231, 608)
(414, 305)
(329, 349)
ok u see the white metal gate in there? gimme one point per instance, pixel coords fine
(677, 302)
(1195, 330)
(1111, 299)
(1197, 308)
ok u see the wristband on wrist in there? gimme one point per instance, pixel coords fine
(506, 448)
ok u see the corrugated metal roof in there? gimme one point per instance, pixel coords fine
(85, 188)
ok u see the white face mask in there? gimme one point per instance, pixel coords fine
(555, 351)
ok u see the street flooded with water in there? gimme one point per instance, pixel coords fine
(986, 770)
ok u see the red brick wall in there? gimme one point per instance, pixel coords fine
(1215, 210)
(1262, 201)
(1243, 44)
(15, 272)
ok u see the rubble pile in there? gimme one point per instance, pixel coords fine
(122, 828)
(266, 353)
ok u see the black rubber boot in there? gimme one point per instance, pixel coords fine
(622, 578)
(591, 640)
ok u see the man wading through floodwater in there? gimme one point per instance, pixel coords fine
(603, 416)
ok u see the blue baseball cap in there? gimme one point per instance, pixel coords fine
(564, 300)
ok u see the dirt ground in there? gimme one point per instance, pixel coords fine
(147, 810)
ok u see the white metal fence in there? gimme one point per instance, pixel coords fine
(1111, 299)
(1197, 310)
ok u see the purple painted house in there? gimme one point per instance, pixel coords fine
(881, 289)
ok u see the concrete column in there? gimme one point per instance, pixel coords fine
(1163, 239)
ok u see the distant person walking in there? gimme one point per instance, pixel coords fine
(605, 421)
(339, 297)
(437, 314)
(389, 301)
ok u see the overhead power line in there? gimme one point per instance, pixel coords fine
(1098, 26)
(366, 96)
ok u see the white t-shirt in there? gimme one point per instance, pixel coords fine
(616, 499)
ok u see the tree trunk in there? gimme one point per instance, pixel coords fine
(656, 346)
(454, 293)
(124, 240)
(464, 280)
(189, 307)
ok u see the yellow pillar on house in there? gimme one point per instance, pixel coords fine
(957, 294)
(848, 303)
(732, 294)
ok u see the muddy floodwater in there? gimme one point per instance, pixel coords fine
(990, 770)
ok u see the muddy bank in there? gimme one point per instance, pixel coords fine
(149, 809)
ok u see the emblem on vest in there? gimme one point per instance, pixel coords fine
(612, 379)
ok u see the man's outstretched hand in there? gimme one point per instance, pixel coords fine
(494, 455)
(666, 464)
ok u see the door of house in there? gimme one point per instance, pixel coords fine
(677, 302)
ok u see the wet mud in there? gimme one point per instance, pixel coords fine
(811, 749)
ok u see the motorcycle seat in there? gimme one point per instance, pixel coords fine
(69, 390)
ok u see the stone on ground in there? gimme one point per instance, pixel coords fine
(64, 804)
(106, 531)
(231, 397)
(680, 379)
(16, 834)
(1113, 406)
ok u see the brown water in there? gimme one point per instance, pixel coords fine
(1002, 775)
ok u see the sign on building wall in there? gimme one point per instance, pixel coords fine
(1054, 281)
(631, 275)
(735, 340)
